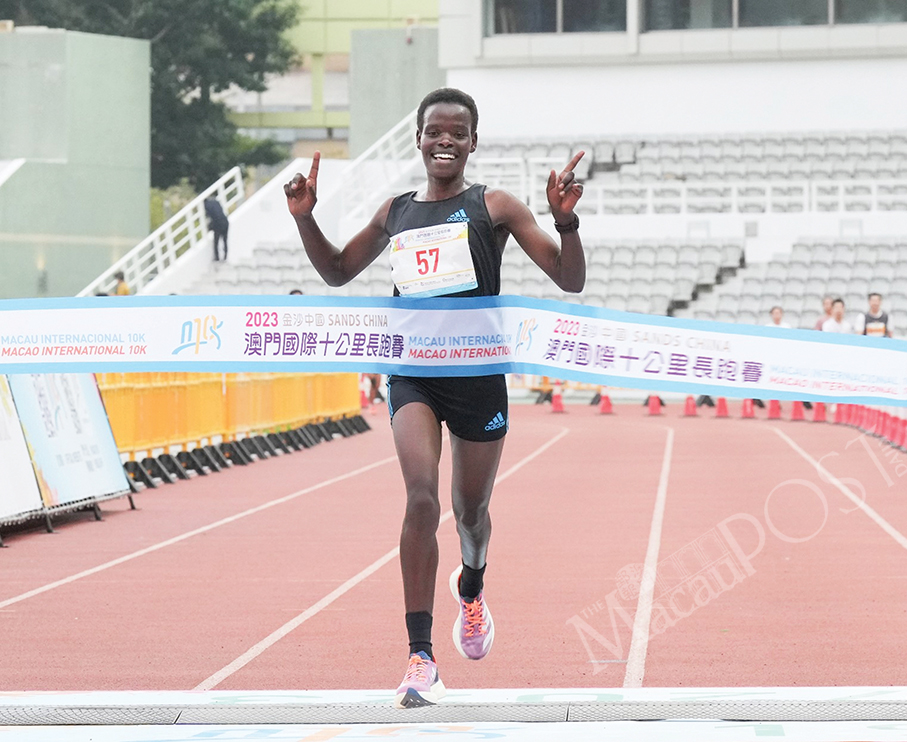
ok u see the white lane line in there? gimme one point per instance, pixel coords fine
(846, 491)
(639, 641)
(190, 534)
(250, 654)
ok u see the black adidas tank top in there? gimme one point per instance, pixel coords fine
(469, 206)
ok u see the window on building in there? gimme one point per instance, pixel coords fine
(784, 12)
(523, 16)
(555, 16)
(663, 15)
(594, 15)
(870, 11)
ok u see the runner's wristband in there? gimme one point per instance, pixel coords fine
(566, 228)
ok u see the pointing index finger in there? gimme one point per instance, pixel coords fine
(575, 161)
(316, 159)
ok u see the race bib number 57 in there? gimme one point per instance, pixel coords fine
(433, 261)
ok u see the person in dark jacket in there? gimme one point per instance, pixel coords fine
(219, 224)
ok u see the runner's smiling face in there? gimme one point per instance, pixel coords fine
(446, 139)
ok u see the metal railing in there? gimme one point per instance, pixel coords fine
(509, 173)
(526, 179)
(159, 251)
(376, 174)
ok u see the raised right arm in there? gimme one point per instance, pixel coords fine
(335, 265)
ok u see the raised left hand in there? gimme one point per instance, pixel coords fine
(564, 191)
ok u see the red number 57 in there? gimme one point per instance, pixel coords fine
(422, 257)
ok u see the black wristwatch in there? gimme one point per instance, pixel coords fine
(566, 228)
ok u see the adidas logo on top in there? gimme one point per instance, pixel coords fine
(458, 216)
(497, 421)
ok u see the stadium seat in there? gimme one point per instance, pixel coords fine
(621, 272)
(688, 255)
(685, 272)
(659, 304)
(596, 270)
(684, 288)
(777, 270)
(618, 288)
(638, 303)
(247, 273)
(728, 303)
(623, 255)
(644, 255)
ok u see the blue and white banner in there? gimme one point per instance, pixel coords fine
(447, 337)
(19, 493)
(72, 448)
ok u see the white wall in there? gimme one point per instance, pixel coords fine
(724, 97)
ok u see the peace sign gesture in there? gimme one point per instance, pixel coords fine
(302, 192)
(563, 191)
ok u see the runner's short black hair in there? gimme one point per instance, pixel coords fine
(839, 301)
(448, 95)
(875, 293)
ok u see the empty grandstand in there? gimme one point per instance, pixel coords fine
(732, 164)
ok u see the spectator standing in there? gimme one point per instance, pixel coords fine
(875, 322)
(122, 286)
(837, 321)
(777, 315)
(219, 224)
(826, 312)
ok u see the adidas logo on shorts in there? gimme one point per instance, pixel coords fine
(497, 421)
(458, 216)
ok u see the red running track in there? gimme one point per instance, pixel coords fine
(823, 603)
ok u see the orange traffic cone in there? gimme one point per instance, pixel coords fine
(721, 408)
(654, 405)
(819, 415)
(364, 383)
(604, 405)
(841, 414)
(689, 407)
(557, 398)
(774, 410)
(796, 412)
(749, 411)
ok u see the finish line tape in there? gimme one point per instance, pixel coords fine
(446, 337)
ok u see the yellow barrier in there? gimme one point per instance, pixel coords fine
(151, 411)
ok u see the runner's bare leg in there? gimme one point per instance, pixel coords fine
(475, 466)
(417, 437)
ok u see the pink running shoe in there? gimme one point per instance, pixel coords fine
(473, 631)
(421, 685)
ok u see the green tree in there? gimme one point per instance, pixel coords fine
(198, 47)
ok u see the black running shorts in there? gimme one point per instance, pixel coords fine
(475, 407)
